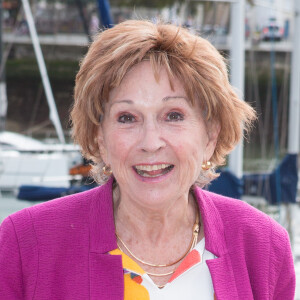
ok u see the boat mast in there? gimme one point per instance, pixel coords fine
(294, 109)
(45, 79)
(237, 63)
(237, 67)
(3, 97)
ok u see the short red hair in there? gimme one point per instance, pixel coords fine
(192, 59)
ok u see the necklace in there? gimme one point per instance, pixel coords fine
(196, 229)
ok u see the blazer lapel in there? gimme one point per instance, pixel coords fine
(220, 268)
(223, 278)
(106, 277)
(106, 271)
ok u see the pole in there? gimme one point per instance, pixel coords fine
(45, 79)
(294, 114)
(104, 13)
(83, 20)
(3, 96)
(237, 53)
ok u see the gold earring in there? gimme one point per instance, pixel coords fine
(107, 170)
(206, 165)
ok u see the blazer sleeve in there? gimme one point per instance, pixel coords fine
(282, 271)
(10, 263)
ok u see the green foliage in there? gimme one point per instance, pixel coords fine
(28, 68)
(135, 3)
(71, 2)
(144, 3)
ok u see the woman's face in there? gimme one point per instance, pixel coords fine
(153, 138)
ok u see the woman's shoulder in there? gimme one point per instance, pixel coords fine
(254, 241)
(70, 209)
(238, 215)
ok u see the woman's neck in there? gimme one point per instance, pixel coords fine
(153, 224)
(159, 235)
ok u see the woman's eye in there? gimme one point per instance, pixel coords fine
(175, 116)
(126, 118)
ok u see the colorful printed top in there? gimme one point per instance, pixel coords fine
(191, 279)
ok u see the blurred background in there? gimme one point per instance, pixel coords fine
(66, 27)
(43, 41)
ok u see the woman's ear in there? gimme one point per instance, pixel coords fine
(101, 144)
(213, 130)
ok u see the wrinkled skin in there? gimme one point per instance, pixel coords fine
(146, 122)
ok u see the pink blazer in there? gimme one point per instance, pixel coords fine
(58, 250)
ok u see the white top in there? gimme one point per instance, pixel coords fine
(191, 279)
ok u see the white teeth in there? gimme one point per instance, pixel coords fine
(152, 167)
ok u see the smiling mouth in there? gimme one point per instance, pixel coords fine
(153, 170)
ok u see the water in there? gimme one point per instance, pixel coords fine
(10, 204)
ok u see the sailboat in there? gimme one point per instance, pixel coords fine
(25, 161)
(41, 171)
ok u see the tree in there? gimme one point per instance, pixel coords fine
(155, 3)
(145, 3)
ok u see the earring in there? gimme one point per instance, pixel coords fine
(206, 165)
(107, 170)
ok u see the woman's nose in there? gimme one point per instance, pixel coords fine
(151, 138)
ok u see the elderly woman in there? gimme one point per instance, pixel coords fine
(156, 114)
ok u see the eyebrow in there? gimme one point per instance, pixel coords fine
(174, 97)
(123, 101)
(163, 99)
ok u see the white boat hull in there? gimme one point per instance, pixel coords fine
(45, 169)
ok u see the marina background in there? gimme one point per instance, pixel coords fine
(65, 29)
